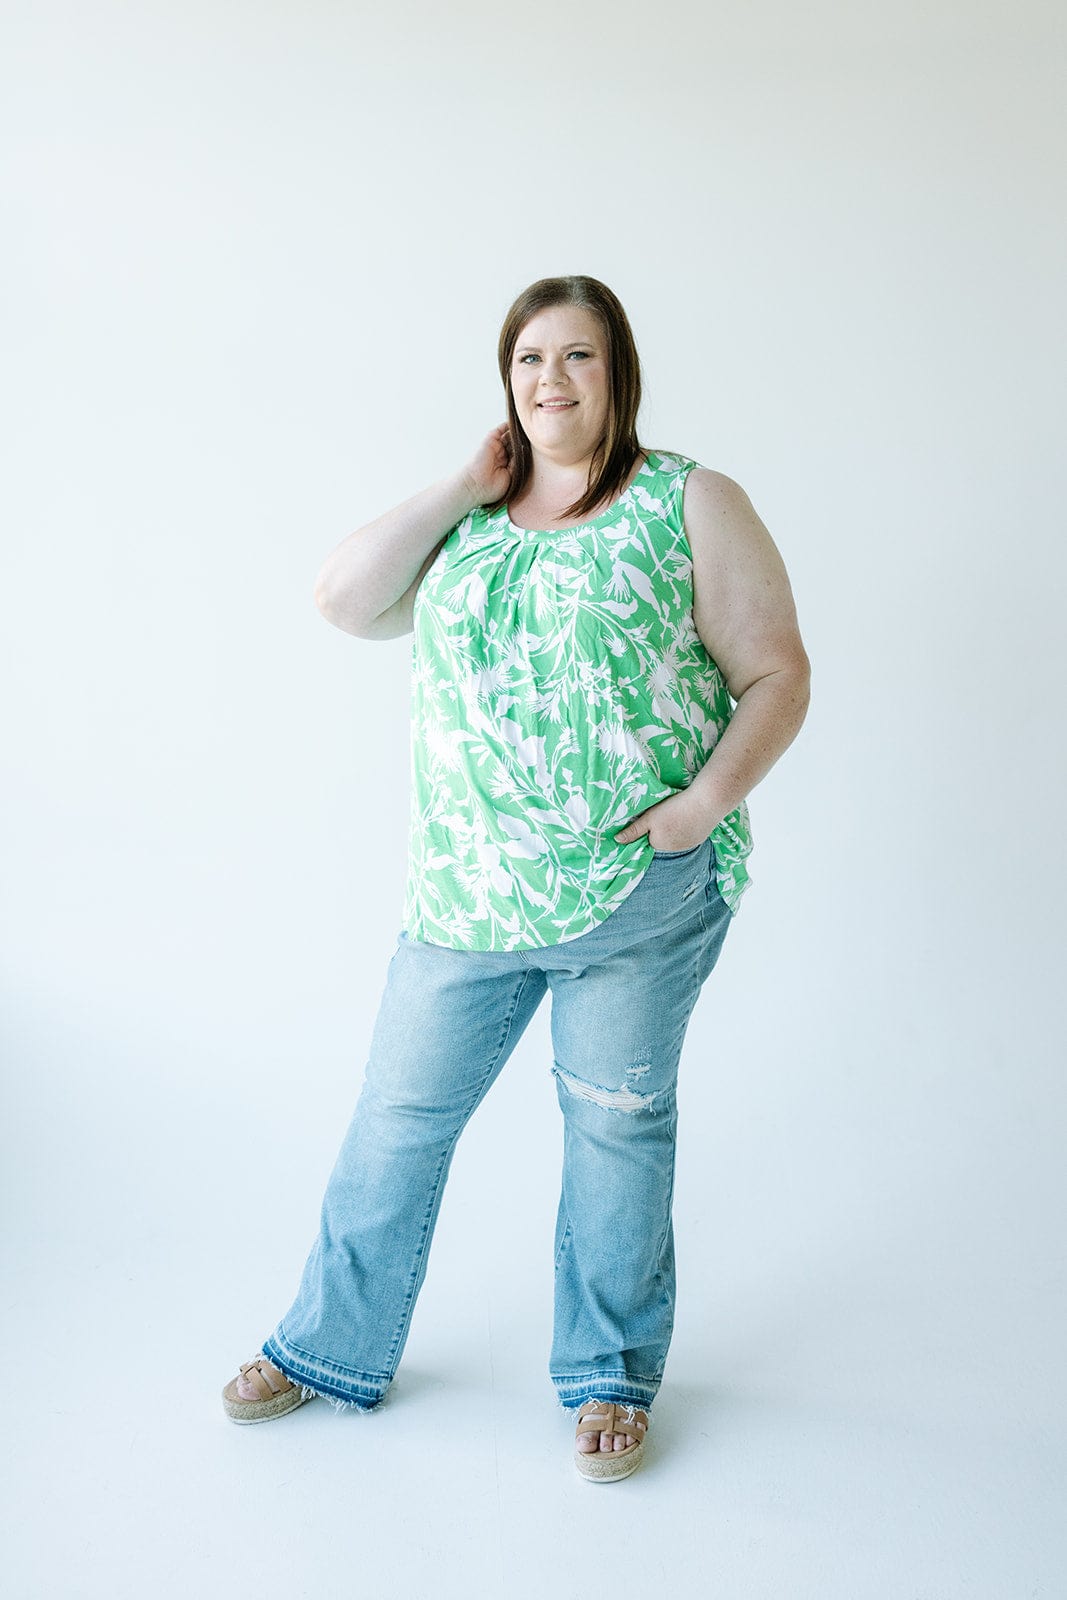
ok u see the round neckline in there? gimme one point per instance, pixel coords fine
(588, 522)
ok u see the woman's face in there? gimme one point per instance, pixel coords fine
(561, 355)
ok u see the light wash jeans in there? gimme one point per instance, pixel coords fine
(622, 995)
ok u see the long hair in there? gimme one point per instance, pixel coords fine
(616, 452)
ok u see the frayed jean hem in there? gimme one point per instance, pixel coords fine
(576, 1392)
(319, 1385)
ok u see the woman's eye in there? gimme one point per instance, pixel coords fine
(532, 355)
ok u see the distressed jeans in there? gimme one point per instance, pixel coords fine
(622, 995)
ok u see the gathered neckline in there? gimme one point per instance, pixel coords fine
(588, 522)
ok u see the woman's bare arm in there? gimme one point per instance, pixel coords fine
(367, 585)
(744, 612)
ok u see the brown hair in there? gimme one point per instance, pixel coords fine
(615, 454)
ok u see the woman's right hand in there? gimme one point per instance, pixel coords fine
(488, 473)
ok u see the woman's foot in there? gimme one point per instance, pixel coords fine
(615, 1447)
(260, 1392)
(246, 1389)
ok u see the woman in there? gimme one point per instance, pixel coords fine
(585, 613)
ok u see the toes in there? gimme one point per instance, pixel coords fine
(604, 1443)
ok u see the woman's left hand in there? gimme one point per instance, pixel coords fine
(670, 825)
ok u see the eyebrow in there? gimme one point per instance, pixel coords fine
(587, 343)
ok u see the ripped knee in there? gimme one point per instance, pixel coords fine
(626, 1098)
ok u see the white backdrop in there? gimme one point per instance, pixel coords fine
(256, 262)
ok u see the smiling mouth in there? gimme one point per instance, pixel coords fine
(556, 405)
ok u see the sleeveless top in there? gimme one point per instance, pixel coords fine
(558, 688)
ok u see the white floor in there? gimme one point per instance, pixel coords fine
(863, 1398)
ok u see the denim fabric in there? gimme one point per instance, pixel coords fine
(622, 995)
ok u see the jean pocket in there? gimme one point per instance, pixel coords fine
(672, 855)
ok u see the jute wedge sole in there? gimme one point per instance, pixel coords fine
(605, 1416)
(274, 1401)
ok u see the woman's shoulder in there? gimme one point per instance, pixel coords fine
(683, 477)
(676, 461)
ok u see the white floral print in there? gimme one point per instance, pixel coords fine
(559, 687)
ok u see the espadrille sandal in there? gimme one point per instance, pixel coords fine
(606, 1416)
(276, 1394)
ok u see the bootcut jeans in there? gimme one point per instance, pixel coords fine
(622, 995)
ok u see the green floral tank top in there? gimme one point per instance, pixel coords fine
(559, 687)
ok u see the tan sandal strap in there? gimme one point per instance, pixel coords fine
(607, 1416)
(253, 1371)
